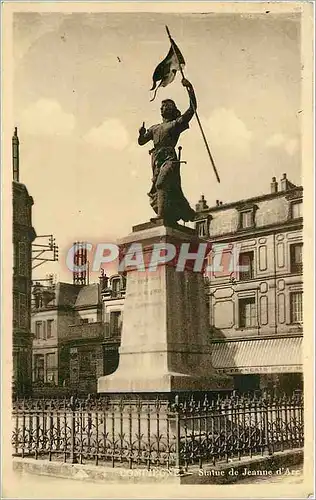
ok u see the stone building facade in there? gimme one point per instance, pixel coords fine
(255, 289)
(76, 332)
(113, 294)
(23, 236)
(254, 295)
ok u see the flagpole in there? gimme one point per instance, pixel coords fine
(195, 112)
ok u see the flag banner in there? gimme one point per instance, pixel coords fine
(167, 69)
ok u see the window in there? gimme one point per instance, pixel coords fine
(115, 323)
(202, 228)
(84, 321)
(246, 219)
(38, 329)
(49, 328)
(38, 368)
(297, 209)
(296, 307)
(50, 368)
(116, 287)
(247, 214)
(296, 257)
(44, 330)
(247, 313)
(246, 260)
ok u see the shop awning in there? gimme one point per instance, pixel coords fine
(258, 356)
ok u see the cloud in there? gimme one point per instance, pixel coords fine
(110, 134)
(46, 117)
(226, 129)
(291, 146)
(279, 140)
(276, 140)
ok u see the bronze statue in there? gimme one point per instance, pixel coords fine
(166, 196)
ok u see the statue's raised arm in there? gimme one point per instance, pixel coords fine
(192, 97)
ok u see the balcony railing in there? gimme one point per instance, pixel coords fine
(86, 331)
(296, 267)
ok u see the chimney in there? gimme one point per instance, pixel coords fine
(16, 156)
(202, 204)
(274, 185)
(104, 281)
(284, 183)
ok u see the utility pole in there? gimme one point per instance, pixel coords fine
(44, 252)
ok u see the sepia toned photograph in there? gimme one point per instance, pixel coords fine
(157, 170)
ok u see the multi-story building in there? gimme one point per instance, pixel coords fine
(255, 289)
(254, 293)
(23, 236)
(113, 294)
(52, 312)
(77, 332)
(63, 314)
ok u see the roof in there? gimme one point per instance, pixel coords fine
(254, 199)
(70, 295)
(88, 296)
(66, 294)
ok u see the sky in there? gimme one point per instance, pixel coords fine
(81, 92)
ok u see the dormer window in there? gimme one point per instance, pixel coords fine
(295, 199)
(116, 286)
(246, 216)
(202, 227)
(246, 219)
(297, 209)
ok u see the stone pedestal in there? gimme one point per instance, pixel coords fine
(165, 344)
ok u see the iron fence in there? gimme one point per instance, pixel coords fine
(143, 433)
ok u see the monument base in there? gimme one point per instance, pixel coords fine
(165, 345)
(167, 383)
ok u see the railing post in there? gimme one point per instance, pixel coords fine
(178, 436)
(266, 422)
(73, 458)
(23, 429)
